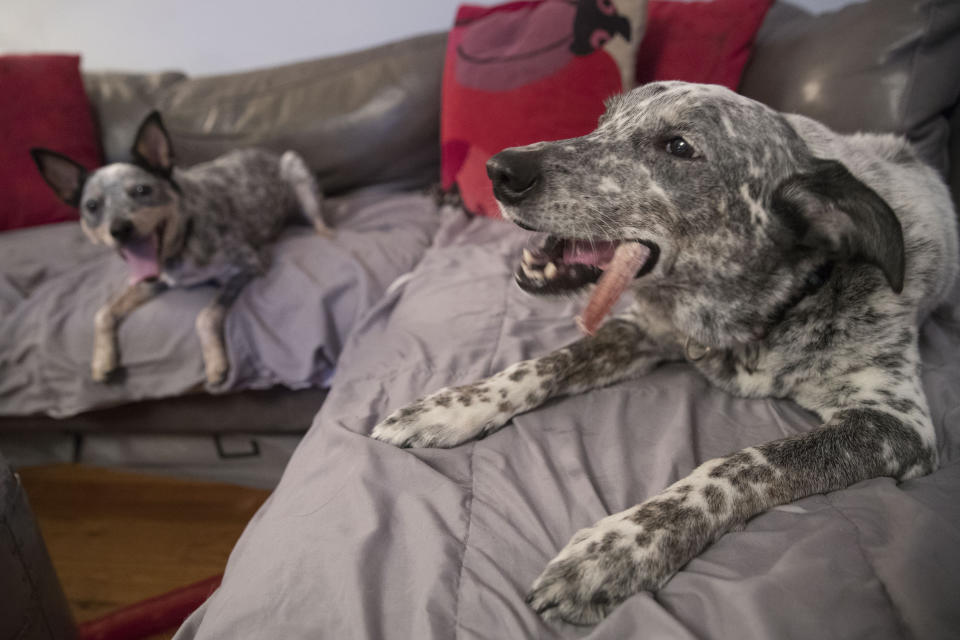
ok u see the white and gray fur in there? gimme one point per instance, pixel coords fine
(213, 220)
(793, 262)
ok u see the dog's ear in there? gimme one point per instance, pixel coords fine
(64, 176)
(827, 208)
(152, 147)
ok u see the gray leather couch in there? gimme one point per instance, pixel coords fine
(370, 118)
(373, 118)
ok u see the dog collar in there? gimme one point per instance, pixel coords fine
(693, 351)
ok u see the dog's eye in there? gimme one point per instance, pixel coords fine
(91, 206)
(142, 190)
(680, 148)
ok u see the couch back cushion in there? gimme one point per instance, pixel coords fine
(523, 72)
(43, 105)
(120, 102)
(882, 65)
(366, 118)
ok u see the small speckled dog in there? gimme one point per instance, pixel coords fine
(778, 257)
(209, 223)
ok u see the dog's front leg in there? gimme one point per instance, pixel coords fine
(641, 548)
(619, 350)
(210, 327)
(108, 318)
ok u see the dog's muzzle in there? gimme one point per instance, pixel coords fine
(121, 229)
(515, 174)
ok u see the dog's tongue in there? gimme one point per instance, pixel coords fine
(141, 257)
(597, 253)
(617, 275)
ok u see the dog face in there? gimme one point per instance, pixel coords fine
(133, 208)
(122, 203)
(733, 210)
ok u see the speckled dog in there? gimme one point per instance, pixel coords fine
(780, 258)
(182, 227)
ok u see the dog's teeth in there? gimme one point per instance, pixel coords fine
(550, 270)
(532, 274)
(527, 256)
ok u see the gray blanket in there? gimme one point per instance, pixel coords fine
(364, 540)
(287, 327)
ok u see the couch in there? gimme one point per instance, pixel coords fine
(341, 114)
(361, 539)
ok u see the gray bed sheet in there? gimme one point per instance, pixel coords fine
(287, 327)
(364, 540)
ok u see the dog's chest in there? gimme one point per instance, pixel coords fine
(185, 271)
(750, 372)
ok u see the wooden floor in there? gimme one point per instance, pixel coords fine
(117, 537)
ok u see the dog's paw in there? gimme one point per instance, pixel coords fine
(446, 418)
(602, 566)
(105, 362)
(215, 368)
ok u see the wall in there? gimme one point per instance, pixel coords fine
(215, 36)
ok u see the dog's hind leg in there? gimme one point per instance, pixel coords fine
(209, 327)
(882, 430)
(619, 350)
(105, 350)
(297, 174)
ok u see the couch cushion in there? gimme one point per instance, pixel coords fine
(43, 105)
(883, 65)
(360, 119)
(366, 118)
(522, 72)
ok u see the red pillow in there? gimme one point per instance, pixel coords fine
(528, 71)
(699, 41)
(43, 105)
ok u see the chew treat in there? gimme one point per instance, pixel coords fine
(617, 276)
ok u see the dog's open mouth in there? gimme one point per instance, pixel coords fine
(557, 265)
(143, 255)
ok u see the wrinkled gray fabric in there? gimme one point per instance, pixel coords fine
(287, 327)
(364, 540)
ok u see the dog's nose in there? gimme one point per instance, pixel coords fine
(121, 229)
(515, 174)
